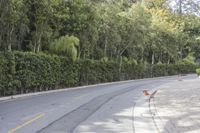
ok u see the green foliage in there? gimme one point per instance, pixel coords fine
(144, 31)
(67, 46)
(189, 59)
(92, 72)
(8, 84)
(40, 71)
(198, 71)
(35, 72)
(23, 72)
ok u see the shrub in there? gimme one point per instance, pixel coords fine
(42, 72)
(189, 59)
(198, 71)
(66, 45)
(92, 72)
(23, 72)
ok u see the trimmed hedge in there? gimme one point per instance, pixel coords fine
(92, 72)
(23, 72)
(38, 72)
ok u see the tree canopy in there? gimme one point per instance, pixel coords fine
(150, 31)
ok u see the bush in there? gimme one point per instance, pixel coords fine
(23, 72)
(160, 70)
(198, 71)
(43, 72)
(92, 72)
(66, 45)
(190, 59)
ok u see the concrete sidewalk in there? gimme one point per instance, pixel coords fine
(175, 109)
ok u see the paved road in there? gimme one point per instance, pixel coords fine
(65, 112)
(178, 104)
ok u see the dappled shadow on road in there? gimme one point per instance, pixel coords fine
(109, 120)
(117, 116)
(179, 107)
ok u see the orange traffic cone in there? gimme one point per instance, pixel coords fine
(145, 92)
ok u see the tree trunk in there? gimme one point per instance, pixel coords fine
(142, 56)
(161, 56)
(168, 61)
(180, 7)
(105, 47)
(34, 47)
(9, 47)
(35, 42)
(79, 52)
(39, 44)
(120, 65)
(10, 40)
(181, 53)
(153, 58)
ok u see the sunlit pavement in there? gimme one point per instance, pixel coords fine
(178, 106)
(114, 108)
(174, 109)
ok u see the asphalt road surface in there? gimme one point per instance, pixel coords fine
(64, 112)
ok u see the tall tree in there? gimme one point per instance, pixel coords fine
(38, 15)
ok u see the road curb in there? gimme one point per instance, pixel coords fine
(8, 98)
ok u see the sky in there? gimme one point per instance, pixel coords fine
(192, 6)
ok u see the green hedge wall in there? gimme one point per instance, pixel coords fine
(23, 72)
(38, 72)
(92, 72)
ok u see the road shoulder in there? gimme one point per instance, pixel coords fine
(178, 105)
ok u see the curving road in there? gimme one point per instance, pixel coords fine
(66, 112)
